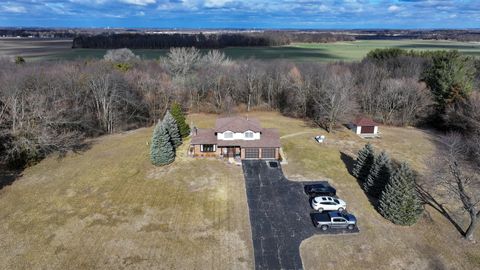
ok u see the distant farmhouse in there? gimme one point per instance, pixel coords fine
(236, 138)
(365, 127)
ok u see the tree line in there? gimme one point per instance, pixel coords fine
(201, 40)
(467, 35)
(166, 41)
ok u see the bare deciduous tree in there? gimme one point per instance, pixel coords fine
(453, 187)
(215, 58)
(120, 55)
(464, 116)
(156, 91)
(333, 97)
(401, 100)
(181, 61)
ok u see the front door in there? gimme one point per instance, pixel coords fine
(231, 152)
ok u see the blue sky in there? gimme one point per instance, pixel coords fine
(328, 14)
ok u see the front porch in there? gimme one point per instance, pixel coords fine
(234, 152)
(231, 153)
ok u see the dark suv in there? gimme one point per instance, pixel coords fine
(320, 189)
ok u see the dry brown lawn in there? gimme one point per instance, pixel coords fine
(433, 243)
(108, 208)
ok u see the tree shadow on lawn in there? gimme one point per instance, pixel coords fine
(7, 177)
(349, 164)
(428, 198)
(424, 194)
(9, 174)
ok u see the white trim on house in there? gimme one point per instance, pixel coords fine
(214, 148)
(238, 135)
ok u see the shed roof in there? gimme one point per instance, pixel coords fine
(364, 121)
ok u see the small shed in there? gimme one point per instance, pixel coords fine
(365, 127)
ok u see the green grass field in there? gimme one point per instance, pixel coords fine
(34, 50)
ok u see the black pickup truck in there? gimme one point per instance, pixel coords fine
(335, 220)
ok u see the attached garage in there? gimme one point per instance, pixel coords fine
(268, 153)
(253, 153)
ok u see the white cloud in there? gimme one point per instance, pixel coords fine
(323, 8)
(139, 2)
(394, 8)
(216, 3)
(13, 9)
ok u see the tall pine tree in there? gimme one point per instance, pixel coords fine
(379, 175)
(161, 149)
(364, 162)
(172, 127)
(399, 202)
(450, 77)
(177, 113)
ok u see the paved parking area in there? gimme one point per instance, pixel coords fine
(279, 216)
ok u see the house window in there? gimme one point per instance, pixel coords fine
(228, 135)
(208, 148)
(248, 135)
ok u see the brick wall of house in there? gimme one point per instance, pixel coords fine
(198, 153)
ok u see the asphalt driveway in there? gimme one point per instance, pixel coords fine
(279, 216)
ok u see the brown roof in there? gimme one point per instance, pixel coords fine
(363, 121)
(237, 124)
(204, 136)
(269, 138)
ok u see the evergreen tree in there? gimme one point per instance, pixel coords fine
(379, 175)
(19, 60)
(177, 113)
(161, 150)
(449, 77)
(364, 162)
(399, 202)
(172, 127)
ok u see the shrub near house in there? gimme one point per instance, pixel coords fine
(165, 140)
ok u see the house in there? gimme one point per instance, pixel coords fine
(236, 137)
(365, 127)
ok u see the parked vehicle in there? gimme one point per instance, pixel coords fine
(335, 220)
(327, 203)
(320, 189)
